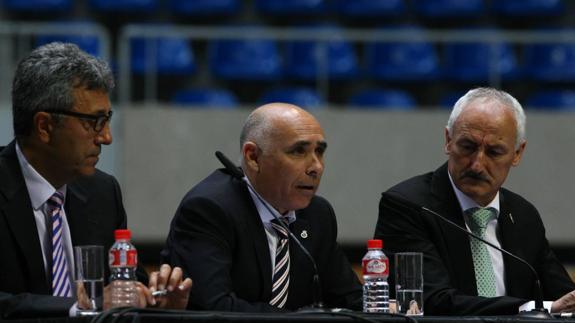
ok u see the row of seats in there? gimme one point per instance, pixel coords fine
(263, 59)
(353, 8)
(372, 99)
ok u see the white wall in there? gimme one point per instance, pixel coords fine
(160, 153)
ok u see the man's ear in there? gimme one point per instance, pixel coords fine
(43, 124)
(250, 153)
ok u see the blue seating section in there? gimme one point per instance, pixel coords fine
(550, 62)
(370, 8)
(303, 97)
(528, 7)
(480, 61)
(403, 61)
(306, 60)
(126, 6)
(383, 99)
(174, 56)
(206, 97)
(449, 8)
(251, 59)
(204, 7)
(552, 100)
(291, 7)
(38, 5)
(88, 43)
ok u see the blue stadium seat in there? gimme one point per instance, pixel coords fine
(209, 98)
(291, 7)
(528, 7)
(129, 6)
(38, 5)
(448, 100)
(383, 99)
(250, 59)
(403, 61)
(552, 100)
(551, 62)
(475, 61)
(303, 59)
(174, 56)
(370, 8)
(449, 8)
(88, 43)
(302, 97)
(204, 7)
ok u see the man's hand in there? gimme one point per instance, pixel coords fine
(565, 304)
(173, 281)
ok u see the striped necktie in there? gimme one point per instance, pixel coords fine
(60, 274)
(280, 282)
(484, 274)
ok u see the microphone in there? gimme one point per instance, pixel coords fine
(540, 311)
(237, 173)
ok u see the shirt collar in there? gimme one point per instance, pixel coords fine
(467, 203)
(39, 189)
(264, 211)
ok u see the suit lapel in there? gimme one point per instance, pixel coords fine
(256, 230)
(300, 266)
(80, 221)
(460, 262)
(510, 240)
(19, 215)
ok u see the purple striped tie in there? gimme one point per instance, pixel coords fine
(60, 273)
(280, 282)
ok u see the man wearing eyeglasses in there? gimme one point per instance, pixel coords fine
(61, 115)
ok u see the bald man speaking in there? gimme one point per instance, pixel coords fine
(231, 239)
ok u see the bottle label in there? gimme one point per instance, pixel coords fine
(123, 258)
(375, 267)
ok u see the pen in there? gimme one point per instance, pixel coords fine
(159, 293)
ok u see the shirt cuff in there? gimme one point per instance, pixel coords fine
(73, 311)
(531, 305)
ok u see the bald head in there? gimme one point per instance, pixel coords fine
(262, 124)
(282, 155)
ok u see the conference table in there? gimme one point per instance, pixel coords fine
(155, 316)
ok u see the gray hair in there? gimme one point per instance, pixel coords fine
(45, 80)
(488, 94)
(257, 129)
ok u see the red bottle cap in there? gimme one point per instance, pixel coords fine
(122, 234)
(374, 244)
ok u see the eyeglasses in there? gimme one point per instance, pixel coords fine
(98, 121)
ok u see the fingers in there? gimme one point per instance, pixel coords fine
(144, 295)
(565, 304)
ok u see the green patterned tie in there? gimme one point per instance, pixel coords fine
(484, 275)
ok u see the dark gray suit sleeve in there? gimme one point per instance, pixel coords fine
(33, 306)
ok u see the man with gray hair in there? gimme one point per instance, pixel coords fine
(52, 197)
(232, 241)
(484, 138)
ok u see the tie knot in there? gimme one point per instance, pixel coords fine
(56, 200)
(481, 216)
(280, 227)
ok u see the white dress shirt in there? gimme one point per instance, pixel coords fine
(40, 191)
(266, 218)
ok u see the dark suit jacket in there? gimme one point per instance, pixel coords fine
(94, 210)
(217, 237)
(449, 279)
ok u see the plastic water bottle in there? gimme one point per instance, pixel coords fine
(123, 259)
(375, 271)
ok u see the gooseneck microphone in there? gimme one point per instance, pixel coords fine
(539, 311)
(238, 174)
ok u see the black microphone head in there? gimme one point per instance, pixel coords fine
(230, 167)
